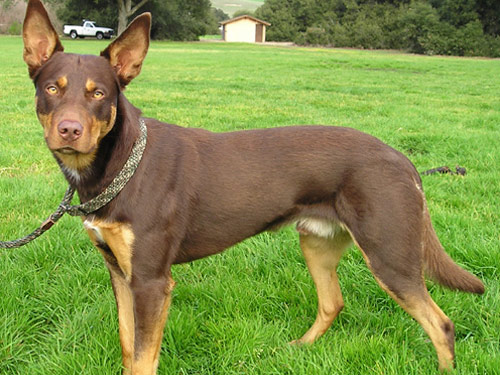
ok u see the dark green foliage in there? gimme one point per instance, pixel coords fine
(448, 27)
(217, 15)
(104, 13)
(489, 14)
(173, 19)
(455, 12)
(243, 12)
(423, 31)
(285, 25)
(180, 19)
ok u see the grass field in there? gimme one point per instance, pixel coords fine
(234, 313)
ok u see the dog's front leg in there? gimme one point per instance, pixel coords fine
(125, 306)
(151, 300)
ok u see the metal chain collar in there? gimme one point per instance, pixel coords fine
(94, 204)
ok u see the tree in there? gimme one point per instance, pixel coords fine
(458, 27)
(180, 19)
(125, 10)
(102, 12)
(489, 14)
(279, 13)
(217, 16)
(172, 19)
(456, 12)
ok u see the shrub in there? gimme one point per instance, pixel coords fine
(285, 26)
(420, 20)
(15, 28)
(493, 46)
(366, 32)
(439, 39)
(314, 36)
(471, 41)
(340, 36)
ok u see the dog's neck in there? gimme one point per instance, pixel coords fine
(112, 153)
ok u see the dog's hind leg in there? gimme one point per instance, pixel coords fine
(391, 239)
(412, 295)
(322, 256)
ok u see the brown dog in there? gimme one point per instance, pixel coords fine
(196, 193)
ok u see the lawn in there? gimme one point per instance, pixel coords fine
(235, 313)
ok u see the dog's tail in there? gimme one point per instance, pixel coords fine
(441, 268)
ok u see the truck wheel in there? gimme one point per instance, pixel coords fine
(73, 34)
(99, 36)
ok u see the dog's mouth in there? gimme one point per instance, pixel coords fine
(67, 151)
(73, 150)
(74, 159)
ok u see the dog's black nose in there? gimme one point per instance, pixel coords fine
(70, 130)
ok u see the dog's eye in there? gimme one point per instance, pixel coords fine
(52, 90)
(98, 94)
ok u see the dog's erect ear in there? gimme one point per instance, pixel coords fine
(128, 51)
(40, 38)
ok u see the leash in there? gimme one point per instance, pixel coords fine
(94, 204)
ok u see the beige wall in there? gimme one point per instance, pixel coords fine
(241, 31)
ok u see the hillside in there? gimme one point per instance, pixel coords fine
(231, 6)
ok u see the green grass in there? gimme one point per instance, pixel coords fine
(234, 313)
(211, 37)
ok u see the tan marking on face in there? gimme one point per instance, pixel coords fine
(99, 129)
(90, 85)
(62, 82)
(79, 161)
(120, 239)
(102, 128)
(46, 121)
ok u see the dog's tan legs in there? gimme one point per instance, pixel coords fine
(151, 303)
(389, 230)
(437, 325)
(322, 257)
(419, 304)
(125, 305)
(409, 291)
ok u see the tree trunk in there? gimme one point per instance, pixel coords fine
(122, 16)
(125, 10)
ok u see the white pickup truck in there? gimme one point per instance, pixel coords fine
(88, 28)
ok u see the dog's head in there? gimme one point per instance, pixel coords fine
(76, 95)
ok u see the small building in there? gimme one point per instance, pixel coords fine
(244, 29)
